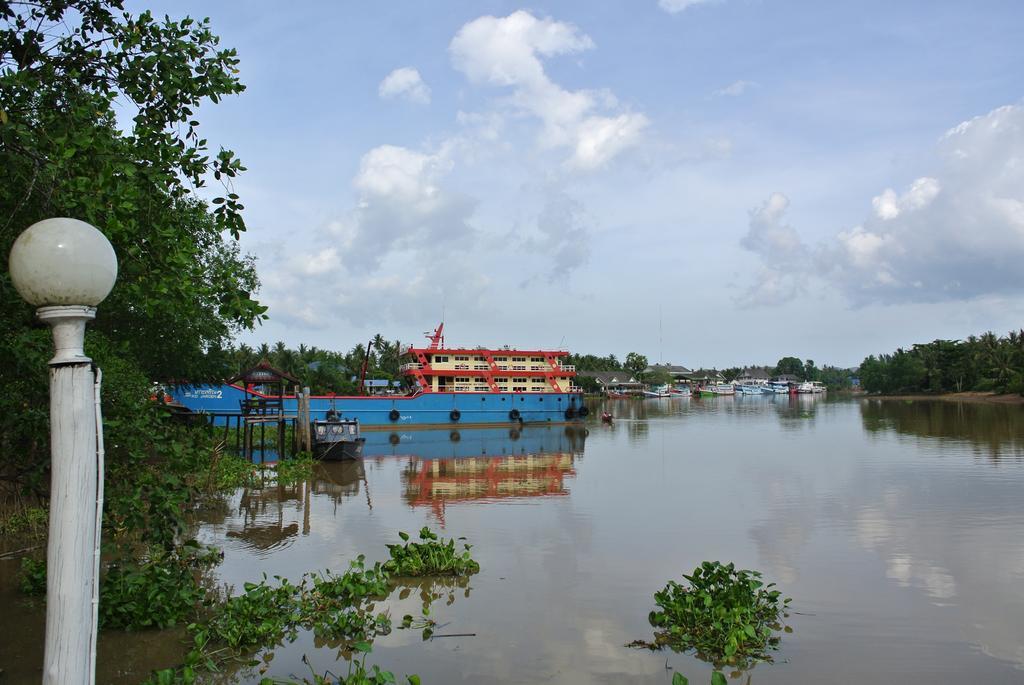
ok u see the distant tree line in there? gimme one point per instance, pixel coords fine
(323, 371)
(985, 363)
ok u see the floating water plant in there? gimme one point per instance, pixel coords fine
(723, 613)
(432, 556)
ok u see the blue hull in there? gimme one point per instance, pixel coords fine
(429, 409)
(476, 442)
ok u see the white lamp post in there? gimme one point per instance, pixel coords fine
(66, 267)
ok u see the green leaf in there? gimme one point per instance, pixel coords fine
(679, 679)
(718, 678)
(363, 647)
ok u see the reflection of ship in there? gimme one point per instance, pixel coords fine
(437, 482)
(484, 464)
(475, 442)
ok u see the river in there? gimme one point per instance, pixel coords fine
(896, 527)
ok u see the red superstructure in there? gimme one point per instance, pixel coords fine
(437, 368)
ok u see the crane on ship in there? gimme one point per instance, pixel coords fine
(436, 338)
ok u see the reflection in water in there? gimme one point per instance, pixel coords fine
(993, 430)
(435, 482)
(903, 551)
(535, 463)
(271, 517)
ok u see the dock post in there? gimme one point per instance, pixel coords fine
(307, 419)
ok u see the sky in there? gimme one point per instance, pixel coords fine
(706, 182)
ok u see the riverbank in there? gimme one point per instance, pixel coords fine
(978, 397)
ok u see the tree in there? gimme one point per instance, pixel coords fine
(789, 365)
(731, 374)
(637, 363)
(184, 289)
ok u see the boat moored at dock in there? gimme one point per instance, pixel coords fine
(448, 386)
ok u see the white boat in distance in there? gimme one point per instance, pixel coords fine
(810, 387)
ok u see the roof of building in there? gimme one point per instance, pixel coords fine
(610, 377)
(705, 374)
(671, 368)
(263, 372)
(760, 372)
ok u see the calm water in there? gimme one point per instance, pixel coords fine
(897, 528)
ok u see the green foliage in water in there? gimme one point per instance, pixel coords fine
(432, 556)
(335, 608)
(159, 590)
(32, 577)
(156, 592)
(717, 678)
(357, 674)
(292, 471)
(723, 613)
(30, 522)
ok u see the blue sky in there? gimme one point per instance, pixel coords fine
(823, 180)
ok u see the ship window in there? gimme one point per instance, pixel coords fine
(536, 359)
(440, 359)
(461, 359)
(501, 359)
(519, 359)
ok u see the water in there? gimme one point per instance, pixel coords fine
(897, 529)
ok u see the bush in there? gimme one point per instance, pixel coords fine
(723, 613)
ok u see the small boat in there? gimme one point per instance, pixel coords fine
(661, 391)
(617, 395)
(679, 392)
(335, 438)
(723, 389)
(606, 417)
(751, 389)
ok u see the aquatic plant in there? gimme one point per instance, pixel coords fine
(357, 674)
(29, 522)
(717, 678)
(155, 592)
(432, 556)
(292, 471)
(32, 576)
(723, 613)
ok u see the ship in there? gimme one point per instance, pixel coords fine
(448, 386)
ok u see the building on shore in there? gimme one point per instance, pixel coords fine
(615, 382)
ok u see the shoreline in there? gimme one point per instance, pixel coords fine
(970, 396)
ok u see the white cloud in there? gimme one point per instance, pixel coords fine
(920, 194)
(403, 206)
(563, 235)
(955, 234)
(507, 52)
(675, 6)
(779, 246)
(735, 89)
(407, 83)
